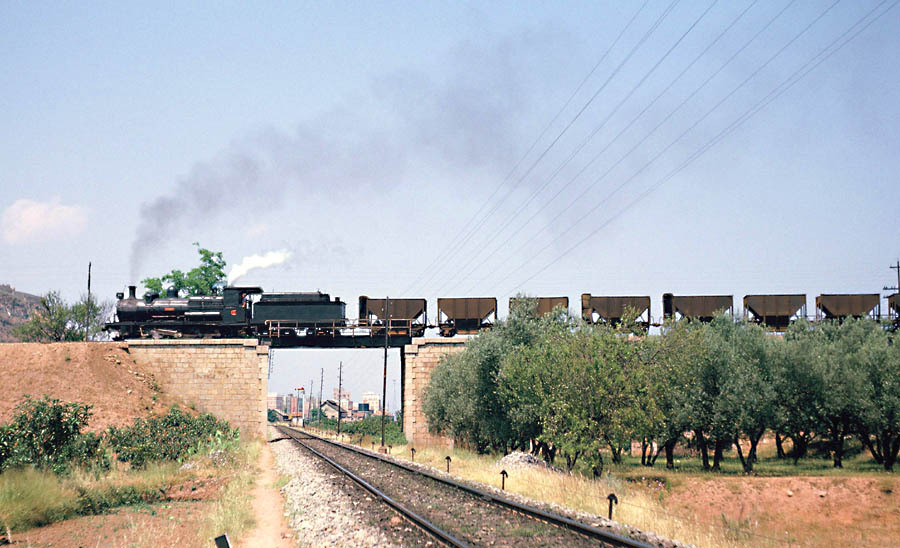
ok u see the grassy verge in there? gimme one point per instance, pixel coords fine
(639, 505)
(32, 498)
(232, 511)
(642, 492)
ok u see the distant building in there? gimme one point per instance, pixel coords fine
(330, 410)
(373, 400)
(343, 397)
(279, 402)
(362, 411)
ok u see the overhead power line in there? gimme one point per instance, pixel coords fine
(464, 272)
(649, 134)
(824, 53)
(546, 203)
(596, 94)
(478, 219)
(453, 242)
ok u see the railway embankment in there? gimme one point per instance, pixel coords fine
(101, 374)
(155, 473)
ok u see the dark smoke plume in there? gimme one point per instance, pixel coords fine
(468, 121)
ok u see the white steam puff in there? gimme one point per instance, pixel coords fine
(270, 258)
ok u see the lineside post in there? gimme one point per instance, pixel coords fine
(387, 328)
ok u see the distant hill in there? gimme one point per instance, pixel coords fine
(15, 309)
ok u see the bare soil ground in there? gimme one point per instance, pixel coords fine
(802, 510)
(165, 524)
(271, 529)
(100, 374)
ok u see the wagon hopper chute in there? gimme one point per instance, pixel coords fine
(466, 316)
(697, 307)
(774, 311)
(545, 305)
(839, 306)
(408, 316)
(611, 310)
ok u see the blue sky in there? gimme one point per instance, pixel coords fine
(363, 137)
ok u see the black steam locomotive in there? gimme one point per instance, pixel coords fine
(239, 311)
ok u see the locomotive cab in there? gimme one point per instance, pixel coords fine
(236, 301)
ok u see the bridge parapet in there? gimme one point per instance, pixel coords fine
(419, 360)
(225, 377)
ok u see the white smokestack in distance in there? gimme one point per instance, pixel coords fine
(251, 262)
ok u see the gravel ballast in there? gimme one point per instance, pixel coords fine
(326, 509)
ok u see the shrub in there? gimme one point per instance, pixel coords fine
(173, 436)
(46, 433)
(371, 427)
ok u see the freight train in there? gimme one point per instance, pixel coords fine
(316, 319)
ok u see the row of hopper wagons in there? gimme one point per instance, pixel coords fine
(315, 316)
(775, 312)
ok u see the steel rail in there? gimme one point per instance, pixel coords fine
(531, 511)
(416, 519)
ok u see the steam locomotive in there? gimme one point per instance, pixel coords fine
(239, 311)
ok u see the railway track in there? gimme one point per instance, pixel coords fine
(453, 513)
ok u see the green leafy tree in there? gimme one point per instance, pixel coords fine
(879, 418)
(668, 390)
(799, 387)
(745, 407)
(838, 356)
(56, 321)
(201, 280)
(88, 315)
(52, 322)
(462, 399)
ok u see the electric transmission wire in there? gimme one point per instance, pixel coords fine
(823, 54)
(621, 132)
(463, 272)
(609, 79)
(452, 246)
(474, 230)
(649, 134)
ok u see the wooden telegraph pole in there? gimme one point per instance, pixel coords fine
(897, 287)
(87, 307)
(387, 328)
(340, 368)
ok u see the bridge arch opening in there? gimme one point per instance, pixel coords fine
(321, 371)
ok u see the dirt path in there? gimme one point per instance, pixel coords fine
(268, 507)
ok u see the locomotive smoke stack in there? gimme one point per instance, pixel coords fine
(132, 289)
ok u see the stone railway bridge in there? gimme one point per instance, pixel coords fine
(229, 377)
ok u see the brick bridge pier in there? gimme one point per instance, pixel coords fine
(229, 377)
(225, 377)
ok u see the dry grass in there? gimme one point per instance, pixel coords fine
(641, 503)
(639, 506)
(232, 511)
(32, 498)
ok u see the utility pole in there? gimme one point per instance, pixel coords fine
(340, 368)
(387, 329)
(897, 287)
(87, 308)
(321, 381)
